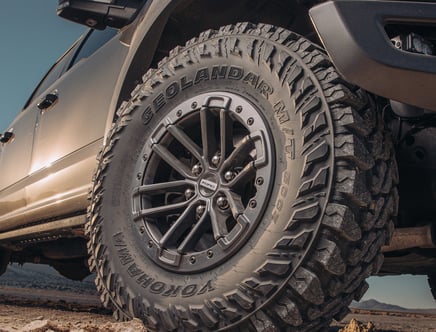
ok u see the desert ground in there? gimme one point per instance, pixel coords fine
(39, 300)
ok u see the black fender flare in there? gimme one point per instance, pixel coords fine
(142, 37)
(354, 36)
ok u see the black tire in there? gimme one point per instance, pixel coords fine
(4, 260)
(432, 284)
(323, 197)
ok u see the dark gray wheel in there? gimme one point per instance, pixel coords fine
(244, 186)
(206, 175)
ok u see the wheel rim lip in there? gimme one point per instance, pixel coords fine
(224, 248)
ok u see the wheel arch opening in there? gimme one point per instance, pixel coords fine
(191, 17)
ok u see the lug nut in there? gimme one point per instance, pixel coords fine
(216, 160)
(200, 210)
(222, 203)
(197, 169)
(189, 193)
(229, 175)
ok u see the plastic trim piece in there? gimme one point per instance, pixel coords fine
(354, 36)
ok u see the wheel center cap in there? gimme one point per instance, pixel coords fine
(208, 184)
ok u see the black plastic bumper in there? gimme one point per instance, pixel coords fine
(353, 33)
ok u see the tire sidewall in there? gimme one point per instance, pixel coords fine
(274, 100)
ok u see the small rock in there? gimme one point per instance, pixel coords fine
(135, 325)
(37, 326)
(356, 326)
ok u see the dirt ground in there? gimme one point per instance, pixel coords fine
(46, 313)
(37, 299)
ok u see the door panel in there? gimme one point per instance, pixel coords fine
(71, 132)
(15, 157)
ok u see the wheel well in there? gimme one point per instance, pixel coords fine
(188, 21)
(191, 17)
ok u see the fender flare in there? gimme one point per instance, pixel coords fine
(354, 36)
(142, 37)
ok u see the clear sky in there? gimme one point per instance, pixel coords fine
(32, 38)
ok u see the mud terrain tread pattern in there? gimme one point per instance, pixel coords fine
(356, 223)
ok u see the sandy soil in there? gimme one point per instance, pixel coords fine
(39, 300)
(46, 312)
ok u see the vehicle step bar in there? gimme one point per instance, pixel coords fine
(67, 224)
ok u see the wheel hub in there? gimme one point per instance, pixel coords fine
(208, 185)
(199, 181)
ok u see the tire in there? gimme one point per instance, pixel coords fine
(4, 260)
(432, 284)
(275, 227)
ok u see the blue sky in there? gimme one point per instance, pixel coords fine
(32, 38)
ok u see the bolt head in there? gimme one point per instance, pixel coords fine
(196, 170)
(229, 175)
(222, 203)
(189, 193)
(216, 160)
(200, 210)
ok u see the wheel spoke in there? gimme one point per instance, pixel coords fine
(183, 222)
(194, 235)
(218, 221)
(240, 153)
(186, 141)
(235, 202)
(162, 188)
(208, 133)
(172, 160)
(162, 210)
(225, 134)
(243, 177)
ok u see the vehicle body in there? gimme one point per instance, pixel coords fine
(48, 154)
